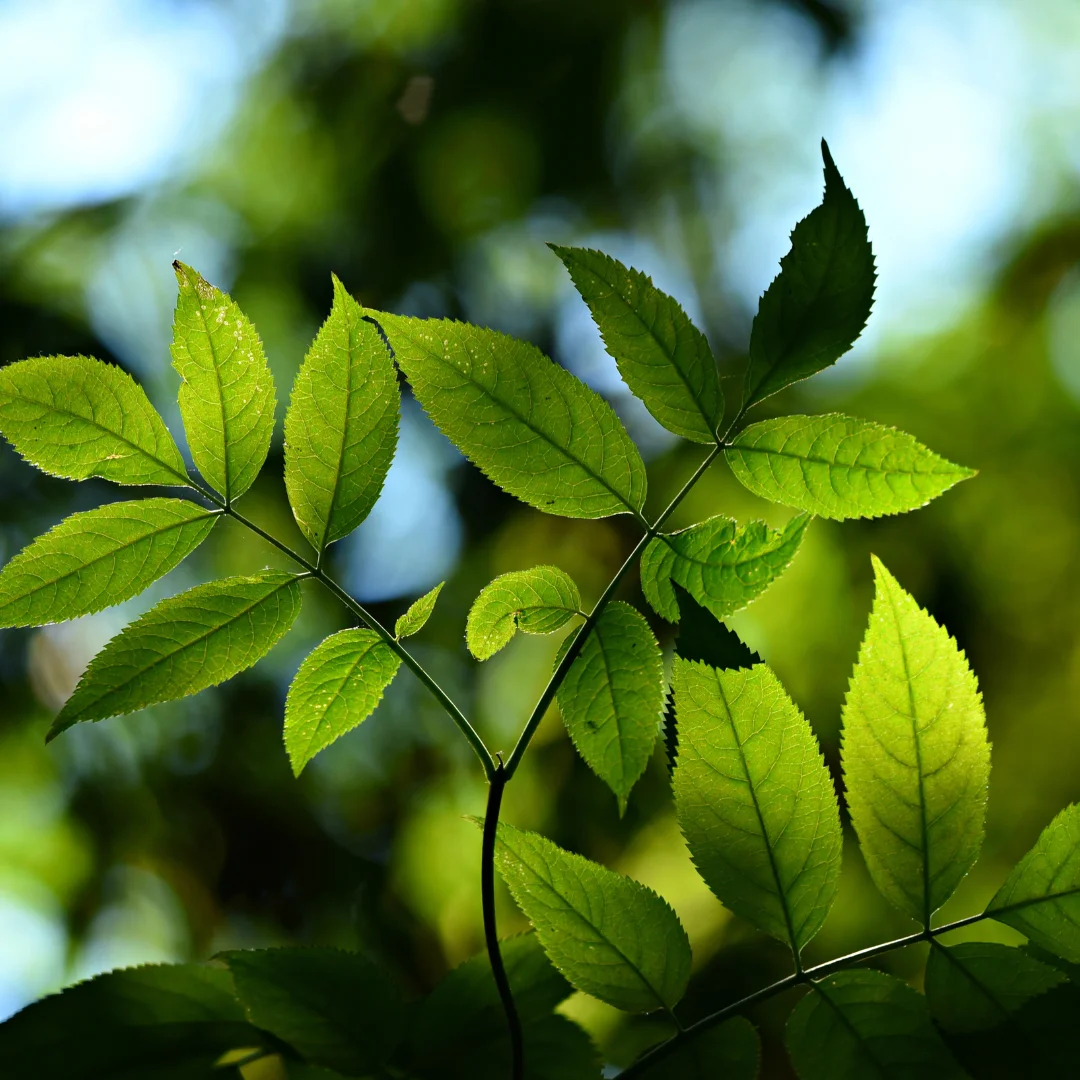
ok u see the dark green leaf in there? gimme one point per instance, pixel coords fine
(703, 637)
(663, 357)
(731, 1051)
(414, 620)
(98, 558)
(819, 302)
(75, 417)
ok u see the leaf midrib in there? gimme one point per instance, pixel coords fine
(744, 448)
(226, 494)
(856, 1034)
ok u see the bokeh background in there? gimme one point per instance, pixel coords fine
(424, 150)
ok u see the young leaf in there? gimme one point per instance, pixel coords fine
(610, 936)
(341, 425)
(663, 357)
(860, 1023)
(915, 756)
(528, 424)
(839, 467)
(755, 800)
(98, 558)
(334, 1008)
(76, 417)
(724, 567)
(336, 688)
(536, 601)
(414, 620)
(1041, 897)
(144, 1022)
(732, 1050)
(227, 394)
(189, 642)
(613, 696)
(819, 302)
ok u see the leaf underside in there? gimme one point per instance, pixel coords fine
(419, 611)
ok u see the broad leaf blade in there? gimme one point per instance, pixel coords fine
(722, 565)
(336, 688)
(731, 1050)
(227, 394)
(334, 1008)
(98, 558)
(915, 755)
(538, 601)
(859, 1024)
(1041, 897)
(415, 619)
(839, 467)
(755, 800)
(76, 417)
(185, 644)
(610, 936)
(341, 425)
(613, 696)
(528, 424)
(703, 637)
(819, 302)
(663, 357)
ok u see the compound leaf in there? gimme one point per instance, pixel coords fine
(858, 1024)
(839, 467)
(731, 1050)
(722, 565)
(537, 601)
(528, 424)
(341, 425)
(198, 639)
(915, 755)
(336, 688)
(335, 1008)
(1041, 897)
(613, 697)
(819, 302)
(610, 936)
(98, 558)
(77, 417)
(665, 360)
(227, 393)
(414, 620)
(755, 800)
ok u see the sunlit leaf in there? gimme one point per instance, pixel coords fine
(732, 1050)
(414, 620)
(915, 755)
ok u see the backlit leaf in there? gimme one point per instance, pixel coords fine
(731, 1050)
(839, 467)
(336, 688)
(609, 935)
(76, 417)
(341, 425)
(98, 558)
(663, 357)
(186, 643)
(528, 424)
(915, 756)
(227, 393)
(755, 800)
(414, 620)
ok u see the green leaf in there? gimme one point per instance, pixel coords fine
(839, 467)
(612, 697)
(915, 756)
(665, 360)
(135, 1024)
(227, 394)
(76, 417)
(98, 558)
(185, 644)
(859, 1024)
(334, 1008)
(755, 800)
(341, 425)
(336, 688)
(819, 302)
(701, 636)
(528, 424)
(536, 601)
(414, 620)
(722, 565)
(731, 1050)
(610, 936)
(1041, 897)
